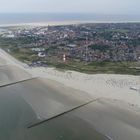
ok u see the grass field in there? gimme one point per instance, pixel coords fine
(132, 68)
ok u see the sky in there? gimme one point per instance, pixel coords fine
(117, 7)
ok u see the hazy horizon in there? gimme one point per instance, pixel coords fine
(26, 11)
(17, 18)
(80, 13)
(115, 7)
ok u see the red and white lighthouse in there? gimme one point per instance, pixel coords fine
(64, 57)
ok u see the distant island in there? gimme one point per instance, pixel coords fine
(91, 48)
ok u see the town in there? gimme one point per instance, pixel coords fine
(40, 46)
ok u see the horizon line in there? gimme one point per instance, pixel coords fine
(85, 13)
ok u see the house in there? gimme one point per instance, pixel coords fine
(41, 54)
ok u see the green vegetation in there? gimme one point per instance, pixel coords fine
(117, 30)
(27, 56)
(134, 42)
(100, 47)
(103, 67)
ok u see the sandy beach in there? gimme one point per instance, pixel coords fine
(59, 23)
(39, 24)
(98, 85)
(112, 114)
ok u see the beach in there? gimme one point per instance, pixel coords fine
(98, 85)
(40, 24)
(61, 23)
(103, 106)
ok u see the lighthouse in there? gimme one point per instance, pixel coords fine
(64, 57)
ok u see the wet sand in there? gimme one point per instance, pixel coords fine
(48, 98)
(28, 102)
(2, 61)
(113, 118)
(110, 118)
(15, 114)
(11, 74)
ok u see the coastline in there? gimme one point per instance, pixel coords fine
(39, 24)
(59, 23)
(109, 86)
(115, 112)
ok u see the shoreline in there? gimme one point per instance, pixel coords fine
(61, 23)
(108, 104)
(116, 107)
(111, 86)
